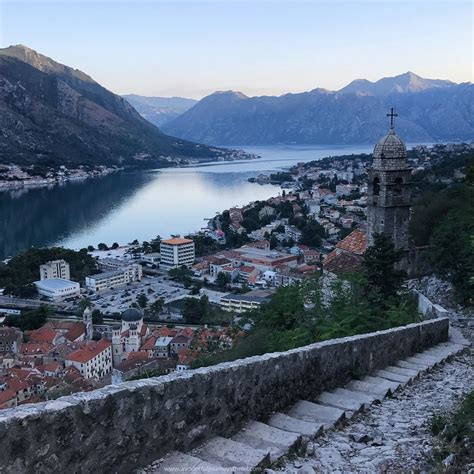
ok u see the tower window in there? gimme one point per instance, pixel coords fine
(397, 190)
(376, 186)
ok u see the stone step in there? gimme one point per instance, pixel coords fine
(409, 365)
(180, 462)
(400, 370)
(456, 336)
(427, 359)
(379, 392)
(385, 374)
(366, 398)
(294, 425)
(231, 454)
(446, 351)
(393, 385)
(315, 413)
(343, 402)
(412, 360)
(268, 438)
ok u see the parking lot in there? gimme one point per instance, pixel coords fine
(118, 299)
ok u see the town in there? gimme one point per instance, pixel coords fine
(154, 307)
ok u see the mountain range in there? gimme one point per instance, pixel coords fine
(159, 110)
(429, 110)
(55, 115)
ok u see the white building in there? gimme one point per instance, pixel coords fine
(244, 302)
(57, 289)
(128, 336)
(119, 277)
(55, 269)
(177, 252)
(92, 360)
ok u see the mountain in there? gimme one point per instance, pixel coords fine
(54, 115)
(429, 110)
(408, 82)
(159, 110)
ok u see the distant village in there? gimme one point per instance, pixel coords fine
(154, 308)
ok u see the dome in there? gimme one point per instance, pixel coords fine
(390, 146)
(132, 315)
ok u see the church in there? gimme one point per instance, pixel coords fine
(388, 206)
(128, 336)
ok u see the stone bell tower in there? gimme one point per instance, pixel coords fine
(389, 189)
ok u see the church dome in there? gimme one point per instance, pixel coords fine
(132, 315)
(390, 146)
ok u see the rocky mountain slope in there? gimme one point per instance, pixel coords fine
(159, 110)
(429, 110)
(53, 114)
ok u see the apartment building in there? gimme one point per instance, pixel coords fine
(115, 278)
(92, 360)
(55, 269)
(177, 252)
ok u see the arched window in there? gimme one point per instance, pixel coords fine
(376, 186)
(397, 190)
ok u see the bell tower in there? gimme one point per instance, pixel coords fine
(389, 189)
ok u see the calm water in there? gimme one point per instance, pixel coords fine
(141, 205)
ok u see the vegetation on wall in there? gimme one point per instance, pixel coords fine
(325, 308)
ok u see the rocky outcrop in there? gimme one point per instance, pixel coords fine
(51, 114)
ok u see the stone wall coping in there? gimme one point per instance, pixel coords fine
(34, 410)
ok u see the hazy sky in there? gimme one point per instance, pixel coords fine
(195, 47)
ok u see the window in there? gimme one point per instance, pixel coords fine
(376, 186)
(397, 190)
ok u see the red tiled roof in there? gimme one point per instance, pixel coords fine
(90, 350)
(35, 348)
(246, 269)
(342, 262)
(43, 334)
(355, 242)
(75, 331)
(7, 396)
(177, 241)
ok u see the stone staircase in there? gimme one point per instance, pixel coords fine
(261, 445)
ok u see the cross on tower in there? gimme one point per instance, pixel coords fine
(392, 115)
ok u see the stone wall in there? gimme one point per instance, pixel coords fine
(429, 309)
(122, 427)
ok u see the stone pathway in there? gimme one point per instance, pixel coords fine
(394, 436)
(364, 445)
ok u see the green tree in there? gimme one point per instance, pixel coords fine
(383, 280)
(30, 319)
(155, 308)
(97, 316)
(222, 280)
(142, 300)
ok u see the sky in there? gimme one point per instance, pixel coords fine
(259, 47)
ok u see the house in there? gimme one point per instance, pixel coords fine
(348, 253)
(293, 233)
(10, 340)
(179, 343)
(266, 211)
(162, 347)
(92, 360)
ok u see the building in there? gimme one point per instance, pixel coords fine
(389, 190)
(293, 233)
(348, 254)
(112, 279)
(92, 360)
(57, 289)
(128, 336)
(244, 302)
(177, 252)
(10, 340)
(55, 269)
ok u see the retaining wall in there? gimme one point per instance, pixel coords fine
(122, 427)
